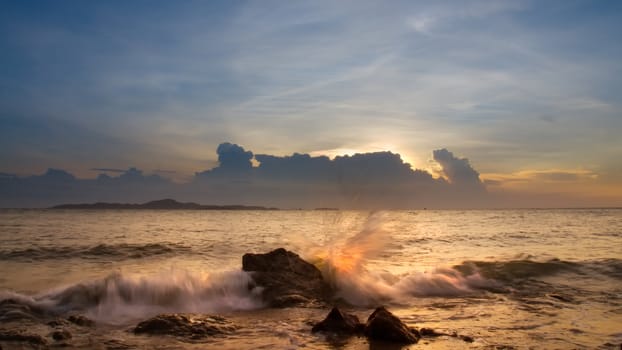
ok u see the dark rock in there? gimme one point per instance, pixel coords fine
(58, 323)
(115, 344)
(61, 334)
(180, 325)
(429, 332)
(33, 339)
(466, 338)
(383, 325)
(562, 298)
(286, 279)
(11, 309)
(338, 322)
(81, 321)
(289, 300)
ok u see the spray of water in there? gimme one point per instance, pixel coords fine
(344, 263)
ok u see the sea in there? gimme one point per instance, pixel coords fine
(505, 279)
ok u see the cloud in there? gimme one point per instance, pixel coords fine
(57, 186)
(373, 180)
(542, 176)
(109, 170)
(233, 157)
(362, 180)
(458, 170)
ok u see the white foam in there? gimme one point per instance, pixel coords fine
(121, 298)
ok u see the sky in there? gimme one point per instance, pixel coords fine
(526, 94)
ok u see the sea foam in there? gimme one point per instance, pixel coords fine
(121, 298)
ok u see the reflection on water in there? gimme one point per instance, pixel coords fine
(519, 278)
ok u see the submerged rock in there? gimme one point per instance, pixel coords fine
(59, 322)
(181, 325)
(429, 332)
(80, 320)
(286, 279)
(383, 325)
(61, 334)
(11, 309)
(33, 339)
(339, 322)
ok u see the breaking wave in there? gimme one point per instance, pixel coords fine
(111, 251)
(343, 263)
(119, 298)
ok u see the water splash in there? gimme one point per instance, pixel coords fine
(344, 263)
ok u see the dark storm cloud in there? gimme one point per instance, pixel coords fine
(366, 180)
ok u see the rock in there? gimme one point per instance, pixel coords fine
(339, 322)
(429, 332)
(182, 325)
(61, 334)
(33, 339)
(562, 298)
(81, 320)
(466, 338)
(383, 325)
(286, 279)
(288, 300)
(59, 322)
(11, 310)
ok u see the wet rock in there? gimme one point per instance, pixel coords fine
(286, 279)
(33, 339)
(115, 344)
(289, 300)
(11, 310)
(61, 334)
(383, 325)
(58, 323)
(429, 332)
(466, 338)
(186, 326)
(81, 321)
(339, 322)
(562, 298)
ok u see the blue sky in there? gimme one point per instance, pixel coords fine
(528, 91)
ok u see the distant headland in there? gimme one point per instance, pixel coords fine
(168, 204)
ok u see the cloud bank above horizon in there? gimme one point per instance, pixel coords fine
(364, 180)
(376, 180)
(527, 90)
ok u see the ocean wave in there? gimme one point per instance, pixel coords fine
(517, 269)
(361, 287)
(511, 270)
(117, 251)
(120, 298)
(343, 263)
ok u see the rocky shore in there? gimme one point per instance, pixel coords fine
(281, 277)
